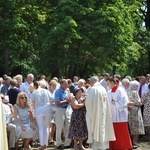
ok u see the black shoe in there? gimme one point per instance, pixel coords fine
(67, 147)
(60, 147)
(86, 145)
(142, 137)
(33, 143)
(12, 148)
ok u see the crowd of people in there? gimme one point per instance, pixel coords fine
(102, 112)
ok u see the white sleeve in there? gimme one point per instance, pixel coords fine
(8, 115)
(122, 101)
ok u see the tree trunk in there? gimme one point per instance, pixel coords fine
(56, 72)
(70, 72)
(114, 70)
(5, 37)
(6, 60)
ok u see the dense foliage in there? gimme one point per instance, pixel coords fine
(64, 38)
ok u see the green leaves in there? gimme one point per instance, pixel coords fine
(67, 38)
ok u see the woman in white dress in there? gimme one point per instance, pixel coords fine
(42, 111)
(24, 120)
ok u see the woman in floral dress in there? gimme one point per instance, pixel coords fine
(135, 117)
(78, 129)
(146, 113)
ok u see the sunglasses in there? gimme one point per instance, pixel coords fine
(23, 97)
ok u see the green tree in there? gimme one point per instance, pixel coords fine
(141, 64)
(66, 38)
(84, 38)
(19, 40)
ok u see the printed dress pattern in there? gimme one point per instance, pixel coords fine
(135, 116)
(78, 127)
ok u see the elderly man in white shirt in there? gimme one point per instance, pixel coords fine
(25, 86)
(10, 126)
(143, 87)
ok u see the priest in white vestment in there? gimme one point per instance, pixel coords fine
(3, 133)
(98, 116)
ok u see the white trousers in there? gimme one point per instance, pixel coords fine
(12, 136)
(43, 121)
(62, 121)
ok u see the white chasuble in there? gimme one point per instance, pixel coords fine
(98, 117)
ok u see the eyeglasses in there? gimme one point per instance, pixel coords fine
(23, 97)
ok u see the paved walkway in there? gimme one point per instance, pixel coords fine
(144, 146)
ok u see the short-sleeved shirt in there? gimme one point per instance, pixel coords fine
(61, 95)
(25, 88)
(12, 93)
(41, 100)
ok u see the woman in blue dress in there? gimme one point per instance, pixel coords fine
(24, 120)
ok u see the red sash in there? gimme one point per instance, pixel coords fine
(114, 88)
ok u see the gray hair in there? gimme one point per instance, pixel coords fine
(134, 83)
(42, 84)
(94, 78)
(30, 75)
(125, 80)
